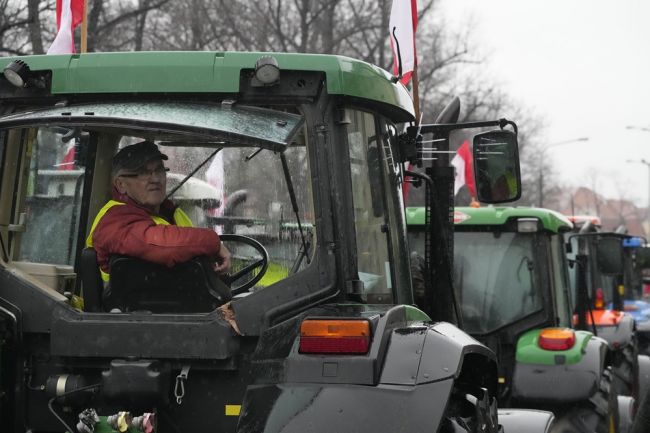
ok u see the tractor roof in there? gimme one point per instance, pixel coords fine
(466, 216)
(208, 72)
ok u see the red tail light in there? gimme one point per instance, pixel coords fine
(557, 339)
(599, 302)
(335, 336)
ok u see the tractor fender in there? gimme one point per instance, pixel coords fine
(525, 420)
(618, 335)
(326, 408)
(561, 383)
(644, 374)
(436, 352)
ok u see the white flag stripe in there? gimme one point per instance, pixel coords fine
(459, 180)
(64, 42)
(401, 19)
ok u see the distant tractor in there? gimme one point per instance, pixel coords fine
(512, 282)
(605, 284)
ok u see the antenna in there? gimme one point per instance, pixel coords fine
(399, 58)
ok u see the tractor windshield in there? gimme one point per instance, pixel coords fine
(494, 276)
(225, 170)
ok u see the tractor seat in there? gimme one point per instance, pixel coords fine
(138, 285)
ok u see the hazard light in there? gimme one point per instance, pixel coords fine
(581, 219)
(599, 302)
(349, 336)
(557, 339)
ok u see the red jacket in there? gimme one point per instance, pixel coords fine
(130, 230)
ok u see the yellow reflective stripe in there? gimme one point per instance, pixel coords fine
(100, 215)
(233, 409)
(105, 276)
(181, 219)
(159, 220)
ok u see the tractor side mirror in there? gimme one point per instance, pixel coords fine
(496, 166)
(643, 257)
(609, 252)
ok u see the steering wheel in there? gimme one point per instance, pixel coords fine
(262, 264)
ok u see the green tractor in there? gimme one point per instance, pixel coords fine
(512, 282)
(313, 330)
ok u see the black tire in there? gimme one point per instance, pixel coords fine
(599, 414)
(642, 419)
(625, 370)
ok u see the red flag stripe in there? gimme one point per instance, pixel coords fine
(77, 8)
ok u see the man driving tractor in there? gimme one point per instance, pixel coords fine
(139, 220)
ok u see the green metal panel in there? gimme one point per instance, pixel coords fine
(415, 315)
(200, 72)
(466, 216)
(529, 352)
(415, 216)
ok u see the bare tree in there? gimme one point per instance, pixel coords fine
(20, 26)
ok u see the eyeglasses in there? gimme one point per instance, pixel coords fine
(144, 173)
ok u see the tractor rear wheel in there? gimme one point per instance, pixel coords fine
(598, 414)
(625, 370)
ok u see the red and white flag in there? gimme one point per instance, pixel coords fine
(403, 22)
(464, 169)
(69, 14)
(68, 160)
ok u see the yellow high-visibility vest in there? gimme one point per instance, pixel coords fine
(180, 219)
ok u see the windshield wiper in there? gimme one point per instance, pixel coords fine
(304, 251)
(529, 266)
(198, 167)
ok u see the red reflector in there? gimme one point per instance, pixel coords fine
(344, 345)
(557, 339)
(334, 336)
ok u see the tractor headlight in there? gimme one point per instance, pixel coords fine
(267, 71)
(17, 73)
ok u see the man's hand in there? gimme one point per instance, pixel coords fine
(223, 260)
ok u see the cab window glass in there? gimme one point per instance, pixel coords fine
(494, 273)
(561, 283)
(243, 191)
(52, 197)
(3, 147)
(366, 156)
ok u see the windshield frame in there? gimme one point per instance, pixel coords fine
(277, 128)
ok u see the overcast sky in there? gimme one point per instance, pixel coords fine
(585, 66)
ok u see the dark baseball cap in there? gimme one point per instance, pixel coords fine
(135, 156)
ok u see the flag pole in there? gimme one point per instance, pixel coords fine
(84, 29)
(416, 92)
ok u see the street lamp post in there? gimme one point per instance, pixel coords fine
(540, 184)
(647, 164)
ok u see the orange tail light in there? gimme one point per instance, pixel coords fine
(335, 336)
(557, 339)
